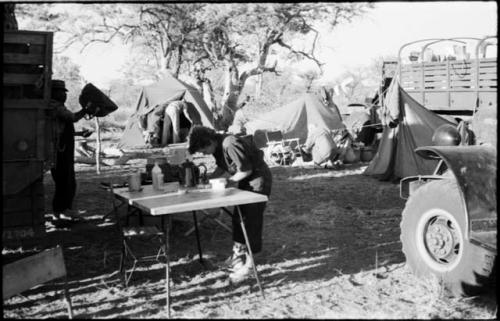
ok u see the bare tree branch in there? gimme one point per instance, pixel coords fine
(316, 36)
(297, 52)
(257, 71)
(117, 30)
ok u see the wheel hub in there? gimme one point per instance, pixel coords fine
(442, 240)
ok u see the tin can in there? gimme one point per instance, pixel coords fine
(134, 181)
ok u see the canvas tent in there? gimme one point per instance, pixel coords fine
(293, 119)
(167, 89)
(412, 126)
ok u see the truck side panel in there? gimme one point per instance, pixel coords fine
(28, 131)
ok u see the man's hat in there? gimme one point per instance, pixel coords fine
(59, 84)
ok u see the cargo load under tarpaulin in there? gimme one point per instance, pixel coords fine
(413, 127)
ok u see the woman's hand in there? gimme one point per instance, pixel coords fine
(218, 172)
(231, 183)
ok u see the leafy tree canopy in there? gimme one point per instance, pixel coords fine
(194, 38)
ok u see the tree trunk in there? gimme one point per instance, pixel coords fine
(98, 146)
(263, 54)
(208, 95)
(164, 65)
(258, 85)
(232, 91)
(9, 16)
(204, 86)
(178, 62)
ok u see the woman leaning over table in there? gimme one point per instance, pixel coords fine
(239, 157)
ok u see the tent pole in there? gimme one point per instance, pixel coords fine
(98, 146)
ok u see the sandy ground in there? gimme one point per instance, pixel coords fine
(331, 250)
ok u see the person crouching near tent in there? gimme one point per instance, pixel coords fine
(244, 162)
(173, 116)
(320, 146)
(175, 128)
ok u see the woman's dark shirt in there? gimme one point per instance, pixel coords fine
(235, 154)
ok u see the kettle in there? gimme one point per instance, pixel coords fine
(191, 173)
(203, 179)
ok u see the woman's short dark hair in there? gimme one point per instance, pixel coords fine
(200, 137)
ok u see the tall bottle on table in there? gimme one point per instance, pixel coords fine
(157, 177)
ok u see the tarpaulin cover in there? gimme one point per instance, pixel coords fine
(293, 119)
(166, 90)
(396, 157)
(92, 94)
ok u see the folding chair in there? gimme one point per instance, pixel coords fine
(130, 234)
(282, 148)
(26, 273)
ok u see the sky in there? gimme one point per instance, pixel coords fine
(381, 32)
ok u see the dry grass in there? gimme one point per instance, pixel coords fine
(331, 250)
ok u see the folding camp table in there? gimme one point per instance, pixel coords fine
(157, 203)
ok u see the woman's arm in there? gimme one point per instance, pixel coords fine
(65, 114)
(84, 133)
(79, 115)
(218, 172)
(238, 176)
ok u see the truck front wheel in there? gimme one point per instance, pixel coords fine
(435, 239)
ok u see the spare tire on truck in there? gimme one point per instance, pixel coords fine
(435, 239)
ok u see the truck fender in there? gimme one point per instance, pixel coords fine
(475, 171)
(409, 185)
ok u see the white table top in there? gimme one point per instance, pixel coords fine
(146, 192)
(161, 203)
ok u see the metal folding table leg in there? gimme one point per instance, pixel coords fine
(167, 264)
(197, 236)
(67, 298)
(250, 251)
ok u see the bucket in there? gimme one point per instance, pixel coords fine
(367, 154)
(94, 95)
(352, 155)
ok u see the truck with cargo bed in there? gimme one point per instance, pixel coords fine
(449, 223)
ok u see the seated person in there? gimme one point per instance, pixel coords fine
(343, 140)
(320, 145)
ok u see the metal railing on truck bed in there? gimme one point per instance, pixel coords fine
(456, 87)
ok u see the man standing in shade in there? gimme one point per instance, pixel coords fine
(63, 172)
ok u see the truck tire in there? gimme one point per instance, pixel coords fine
(435, 240)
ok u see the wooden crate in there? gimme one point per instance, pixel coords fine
(28, 121)
(23, 213)
(27, 64)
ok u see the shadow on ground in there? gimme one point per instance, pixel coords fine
(318, 224)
